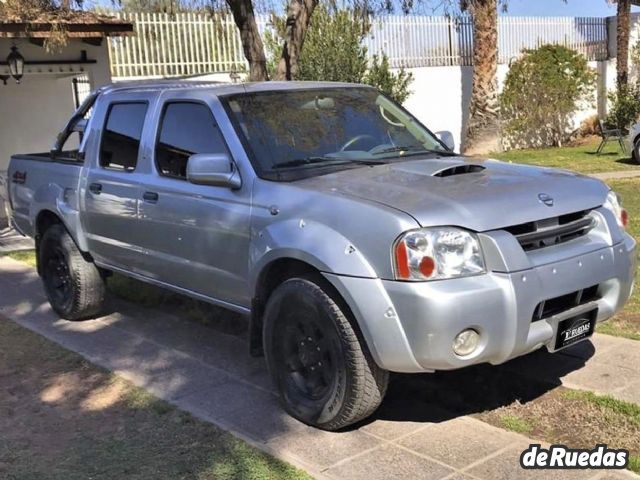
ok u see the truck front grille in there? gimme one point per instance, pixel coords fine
(552, 231)
(556, 305)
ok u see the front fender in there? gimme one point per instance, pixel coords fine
(311, 242)
(63, 202)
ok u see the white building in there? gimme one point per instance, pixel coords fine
(34, 110)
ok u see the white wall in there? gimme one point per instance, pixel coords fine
(34, 111)
(440, 95)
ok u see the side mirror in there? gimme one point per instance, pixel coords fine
(215, 169)
(446, 137)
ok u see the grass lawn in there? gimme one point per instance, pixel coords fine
(580, 158)
(575, 418)
(64, 418)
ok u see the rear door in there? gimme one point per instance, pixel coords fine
(112, 188)
(196, 236)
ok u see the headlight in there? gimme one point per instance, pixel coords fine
(614, 204)
(437, 253)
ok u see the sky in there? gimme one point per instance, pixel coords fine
(568, 8)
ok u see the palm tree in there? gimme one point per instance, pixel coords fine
(483, 128)
(622, 41)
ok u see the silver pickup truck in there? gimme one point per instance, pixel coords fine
(356, 241)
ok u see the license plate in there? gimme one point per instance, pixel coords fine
(574, 329)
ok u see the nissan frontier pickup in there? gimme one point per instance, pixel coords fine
(356, 241)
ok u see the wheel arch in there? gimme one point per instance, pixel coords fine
(44, 220)
(276, 272)
(291, 247)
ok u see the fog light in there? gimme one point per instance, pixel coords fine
(466, 342)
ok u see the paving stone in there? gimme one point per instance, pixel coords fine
(223, 351)
(225, 399)
(506, 466)
(616, 175)
(384, 423)
(12, 241)
(324, 448)
(625, 355)
(630, 393)
(458, 442)
(389, 463)
(264, 419)
(603, 343)
(601, 378)
(164, 372)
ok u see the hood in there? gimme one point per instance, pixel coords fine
(479, 195)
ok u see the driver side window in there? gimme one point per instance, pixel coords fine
(186, 128)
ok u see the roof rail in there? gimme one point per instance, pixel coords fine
(168, 84)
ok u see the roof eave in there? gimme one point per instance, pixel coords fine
(71, 30)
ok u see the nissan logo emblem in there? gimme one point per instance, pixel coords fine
(546, 199)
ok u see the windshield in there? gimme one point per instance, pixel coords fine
(308, 130)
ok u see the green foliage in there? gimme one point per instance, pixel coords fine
(629, 410)
(394, 85)
(543, 90)
(164, 6)
(333, 51)
(624, 106)
(516, 424)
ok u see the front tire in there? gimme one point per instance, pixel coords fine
(73, 285)
(635, 153)
(324, 373)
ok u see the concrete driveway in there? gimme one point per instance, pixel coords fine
(422, 431)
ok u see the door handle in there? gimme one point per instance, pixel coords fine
(151, 197)
(95, 188)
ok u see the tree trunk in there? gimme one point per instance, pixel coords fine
(299, 15)
(483, 129)
(250, 36)
(622, 41)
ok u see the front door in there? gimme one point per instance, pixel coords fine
(196, 236)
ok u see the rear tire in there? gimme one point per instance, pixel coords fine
(73, 285)
(324, 373)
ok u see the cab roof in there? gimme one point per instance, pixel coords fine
(219, 88)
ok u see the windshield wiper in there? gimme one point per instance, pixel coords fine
(323, 161)
(298, 162)
(412, 150)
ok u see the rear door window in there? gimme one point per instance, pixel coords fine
(121, 137)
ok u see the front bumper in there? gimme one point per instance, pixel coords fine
(410, 327)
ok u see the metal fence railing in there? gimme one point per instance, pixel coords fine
(418, 41)
(191, 43)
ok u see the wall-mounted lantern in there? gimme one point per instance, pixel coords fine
(16, 64)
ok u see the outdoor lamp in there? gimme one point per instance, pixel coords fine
(16, 64)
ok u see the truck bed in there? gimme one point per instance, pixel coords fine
(38, 179)
(70, 156)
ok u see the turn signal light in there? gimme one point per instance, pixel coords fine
(624, 218)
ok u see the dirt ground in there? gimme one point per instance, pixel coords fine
(63, 418)
(575, 418)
